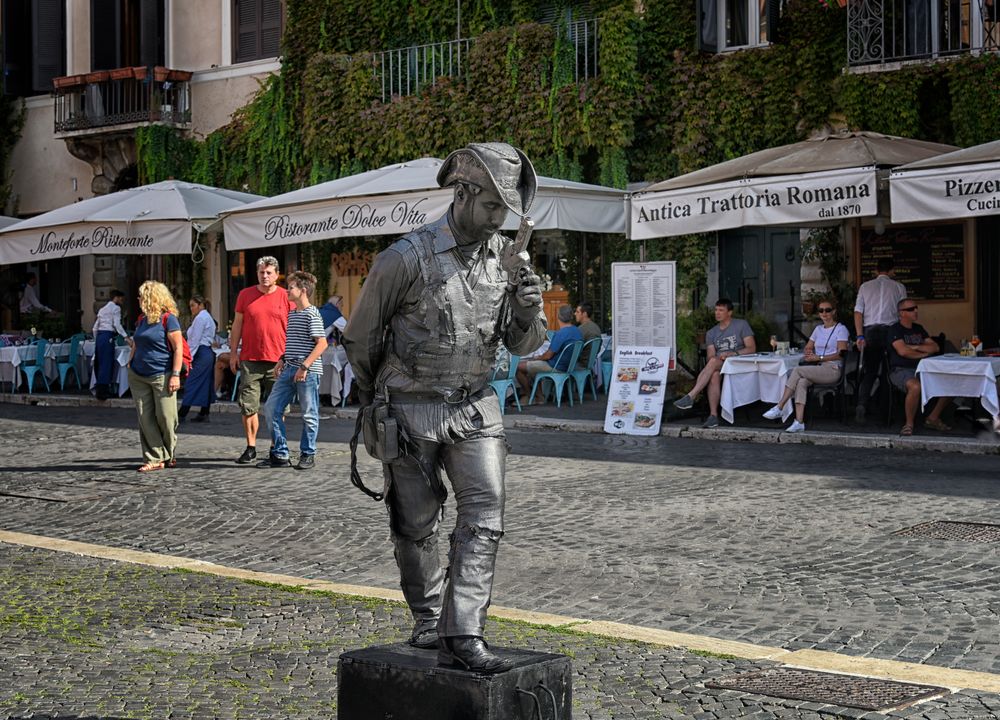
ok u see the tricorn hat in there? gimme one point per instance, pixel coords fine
(501, 165)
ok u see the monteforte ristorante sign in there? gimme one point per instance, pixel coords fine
(780, 200)
(51, 243)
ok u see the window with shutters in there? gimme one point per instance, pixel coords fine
(736, 24)
(257, 26)
(36, 52)
(127, 33)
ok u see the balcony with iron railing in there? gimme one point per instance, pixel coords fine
(883, 34)
(408, 71)
(113, 100)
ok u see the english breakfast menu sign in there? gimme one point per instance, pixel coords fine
(638, 384)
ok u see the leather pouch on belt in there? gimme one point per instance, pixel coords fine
(381, 432)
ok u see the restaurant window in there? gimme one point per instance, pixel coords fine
(734, 24)
(257, 26)
(127, 33)
(35, 52)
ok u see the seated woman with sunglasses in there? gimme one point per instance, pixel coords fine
(825, 349)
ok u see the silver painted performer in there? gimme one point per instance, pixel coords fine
(422, 342)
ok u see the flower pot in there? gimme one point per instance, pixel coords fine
(179, 75)
(160, 73)
(139, 73)
(67, 81)
(121, 73)
(96, 77)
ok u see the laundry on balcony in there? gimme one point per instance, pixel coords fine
(123, 96)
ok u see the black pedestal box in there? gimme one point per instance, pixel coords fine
(398, 682)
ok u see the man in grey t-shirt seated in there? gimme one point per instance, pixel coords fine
(730, 337)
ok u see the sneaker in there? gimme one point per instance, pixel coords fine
(274, 462)
(248, 456)
(684, 403)
(306, 462)
(711, 422)
(773, 414)
(796, 427)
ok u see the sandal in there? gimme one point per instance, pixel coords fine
(907, 430)
(149, 467)
(171, 463)
(937, 425)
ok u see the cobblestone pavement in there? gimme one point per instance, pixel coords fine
(786, 545)
(86, 638)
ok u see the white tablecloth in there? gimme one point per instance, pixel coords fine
(749, 378)
(953, 375)
(121, 355)
(334, 361)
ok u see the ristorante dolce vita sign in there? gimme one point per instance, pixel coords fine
(343, 217)
(50, 243)
(781, 200)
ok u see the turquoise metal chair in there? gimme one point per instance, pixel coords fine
(581, 376)
(236, 386)
(30, 368)
(64, 366)
(557, 378)
(502, 384)
(606, 367)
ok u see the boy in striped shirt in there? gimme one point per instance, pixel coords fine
(298, 372)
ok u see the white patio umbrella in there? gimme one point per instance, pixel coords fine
(953, 186)
(395, 199)
(155, 219)
(820, 180)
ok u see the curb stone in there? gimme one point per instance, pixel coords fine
(676, 430)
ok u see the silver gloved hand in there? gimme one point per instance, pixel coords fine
(528, 293)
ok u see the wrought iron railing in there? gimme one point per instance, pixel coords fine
(892, 31)
(408, 71)
(124, 96)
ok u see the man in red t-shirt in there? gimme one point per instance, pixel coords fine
(261, 318)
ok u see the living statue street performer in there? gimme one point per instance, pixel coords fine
(422, 341)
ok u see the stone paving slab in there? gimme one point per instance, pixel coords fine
(90, 638)
(787, 546)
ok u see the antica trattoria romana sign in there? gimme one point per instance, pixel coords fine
(784, 200)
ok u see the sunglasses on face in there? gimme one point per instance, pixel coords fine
(909, 309)
(826, 310)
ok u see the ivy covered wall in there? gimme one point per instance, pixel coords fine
(658, 107)
(11, 122)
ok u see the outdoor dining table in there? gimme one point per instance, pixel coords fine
(954, 375)
(12, 356)
(121, 376)
(749, 378)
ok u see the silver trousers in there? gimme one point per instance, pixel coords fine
(475, 469)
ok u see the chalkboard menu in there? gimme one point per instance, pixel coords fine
(930, 260)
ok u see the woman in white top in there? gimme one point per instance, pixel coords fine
(199, 387)
(824, 351)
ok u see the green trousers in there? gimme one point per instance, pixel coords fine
(157, 410)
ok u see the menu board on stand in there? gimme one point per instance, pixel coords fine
(638, 384)
(644, 305)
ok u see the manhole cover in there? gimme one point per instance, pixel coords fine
(829, 688)
(949, 530)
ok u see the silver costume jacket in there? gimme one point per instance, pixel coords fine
(429, 320)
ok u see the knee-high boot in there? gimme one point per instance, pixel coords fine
(420, 576)
(472, 559)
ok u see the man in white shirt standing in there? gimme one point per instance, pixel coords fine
(874, 312)
(29, 298)
(107, 325)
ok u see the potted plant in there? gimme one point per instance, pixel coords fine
(810, 299)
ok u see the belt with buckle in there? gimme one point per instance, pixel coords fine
(455, 397)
